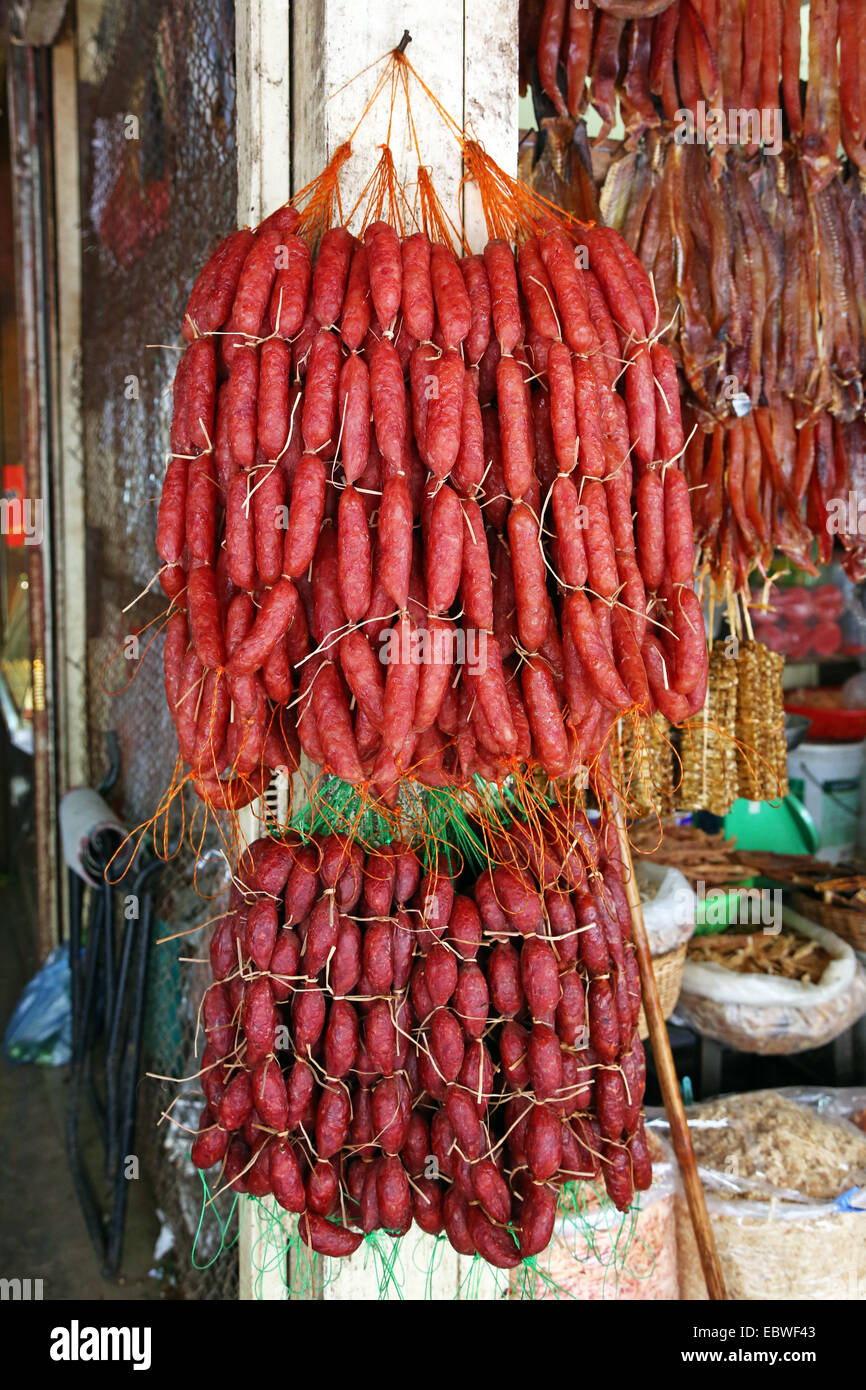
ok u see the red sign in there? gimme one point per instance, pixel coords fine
(13, 516)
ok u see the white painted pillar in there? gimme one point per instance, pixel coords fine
(262, 29)
(289, 125)
(70, 559)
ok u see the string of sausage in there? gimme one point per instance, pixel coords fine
(417, 556)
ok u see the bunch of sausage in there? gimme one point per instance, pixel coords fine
(389, 443)
(382, 1048)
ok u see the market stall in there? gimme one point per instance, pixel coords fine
(474, 315)
(573, 376)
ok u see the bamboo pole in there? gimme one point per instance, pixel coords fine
(664, 1061)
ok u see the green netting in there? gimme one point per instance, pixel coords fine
(588, 1225)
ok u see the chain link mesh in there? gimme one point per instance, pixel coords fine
(159, 190)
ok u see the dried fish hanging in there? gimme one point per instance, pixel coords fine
(645, 768)
(762, 756)
(751, 729)
(777, 752)
(708, 749)
(755, 243)
(735, 747)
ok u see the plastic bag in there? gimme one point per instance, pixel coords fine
(40, 1029)
(816, 621)
(669, 906)
(783, 1173)
(768, 1014)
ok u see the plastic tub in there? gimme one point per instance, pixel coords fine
(832, 724)
(827, 777)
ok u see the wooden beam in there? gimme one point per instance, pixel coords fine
(28, 89)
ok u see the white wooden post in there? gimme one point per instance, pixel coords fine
(70, 559)
(262, 29)
(466, 52)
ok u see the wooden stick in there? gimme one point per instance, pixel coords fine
(682, 1140)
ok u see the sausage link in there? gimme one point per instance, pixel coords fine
(401, 685)
(213, 293)
(363, 673)
(417, 293)
(255, 282)
(589, 420)
(600, 553)
(530, 588)
(395, 540)
(319, 424)
(291, 288)
(545, 716)
(593, 651)
(569, 521)
(355, 317)
(537, 289)
(205, 618)
(504, 297)
(385, 270)
(443, 553)
(271, 623)
(563, 417)
(678, 535)
(355, 408)
(275, 366)
(476, 582)
(241, 407)
(468, 470)
(334, 725)
(353, 554)
(558, 255)
(453, 307)
(650, 529)
(444, 413)
(171, 518)
(306, 511)
(268, 503)
(388, 396)
(330, 274)
(515, 427)
(669, 420)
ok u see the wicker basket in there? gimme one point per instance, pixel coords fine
(844, 921)
(668, 971)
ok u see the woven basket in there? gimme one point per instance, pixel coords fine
(668, 971)
(844, 921)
